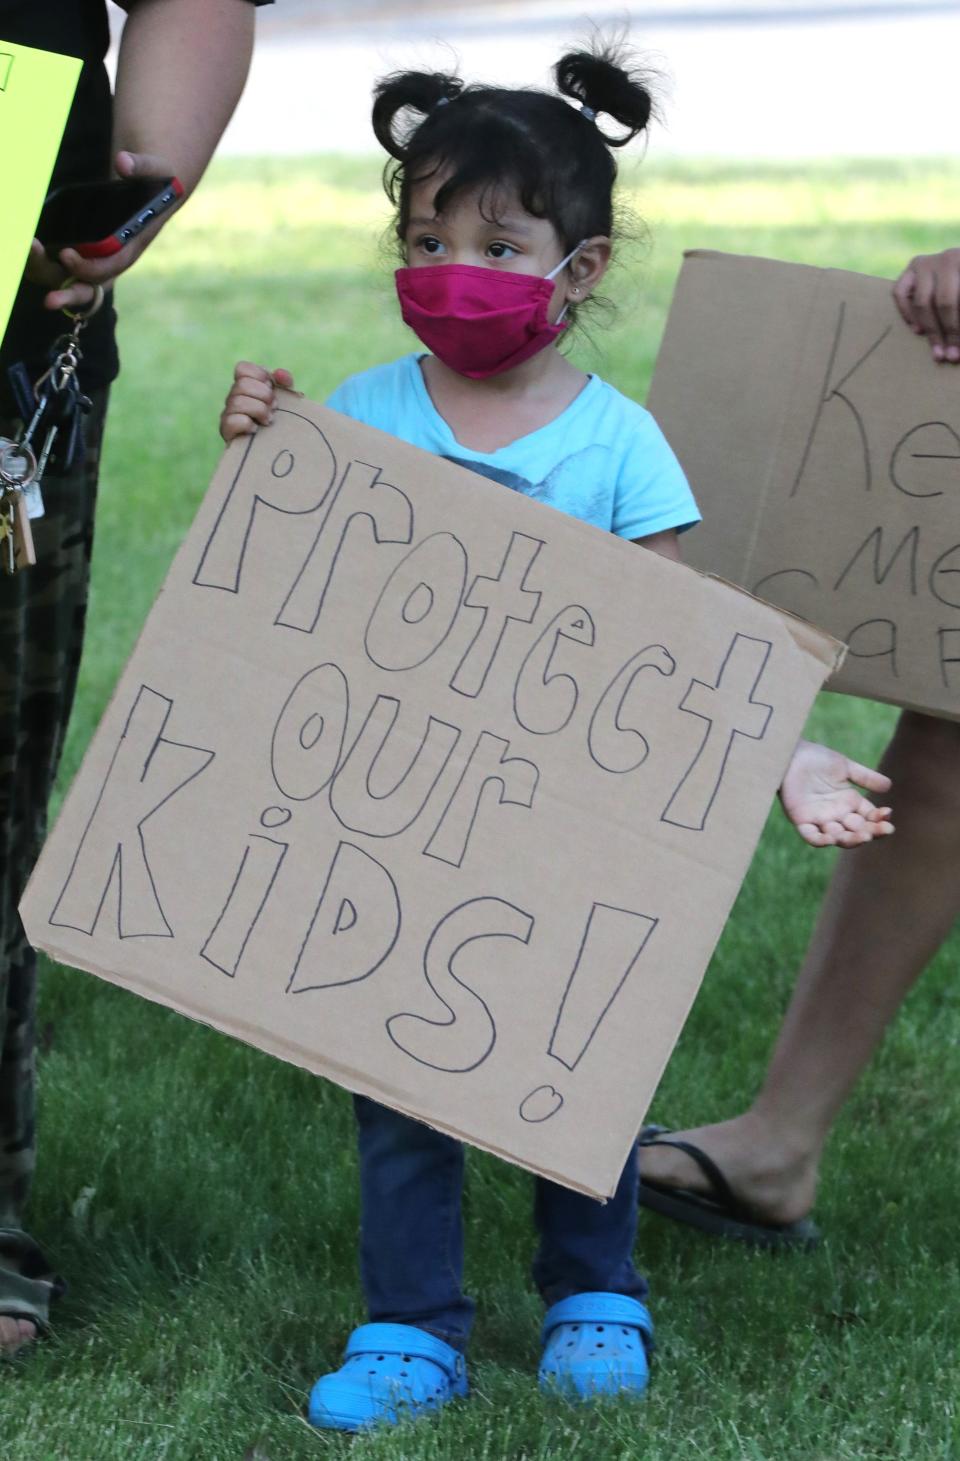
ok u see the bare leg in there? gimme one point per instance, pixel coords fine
(887, 910)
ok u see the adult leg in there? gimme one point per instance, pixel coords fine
(888, 908)
(42, 613)
(25, 1279)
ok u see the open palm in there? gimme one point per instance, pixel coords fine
(822, 803)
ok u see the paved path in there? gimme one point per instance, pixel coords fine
(828, 77)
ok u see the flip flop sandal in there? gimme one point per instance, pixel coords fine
(718, 1212)
(390, 1371)
(596, 1344)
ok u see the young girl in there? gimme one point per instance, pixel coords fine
(504, 218)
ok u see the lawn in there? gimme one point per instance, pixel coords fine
(200, 1196)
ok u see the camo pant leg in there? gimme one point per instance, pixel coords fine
(42, 614)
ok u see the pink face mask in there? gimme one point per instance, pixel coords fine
(480, 321)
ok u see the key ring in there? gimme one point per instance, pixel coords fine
(80, 316)
(18, 465)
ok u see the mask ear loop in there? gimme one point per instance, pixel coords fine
(554, 272)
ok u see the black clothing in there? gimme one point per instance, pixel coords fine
(71, 28)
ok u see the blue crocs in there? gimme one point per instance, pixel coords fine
(390, 1371)
(596, 1344)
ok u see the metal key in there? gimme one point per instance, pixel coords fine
(24, 549)
(61, 406)
(8, 550)
(51, 406)
(18, 465)
(55, 405)
(17, 549)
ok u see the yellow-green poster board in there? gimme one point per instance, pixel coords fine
(36, 89)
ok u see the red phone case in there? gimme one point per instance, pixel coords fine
(114, 242)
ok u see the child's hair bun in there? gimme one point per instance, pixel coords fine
(416, 91)
(601, 80)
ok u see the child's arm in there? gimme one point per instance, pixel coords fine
(927, 294)
(665, 543)
(252, 399)
(827, 811)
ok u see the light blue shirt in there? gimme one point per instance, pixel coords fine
(604, 459)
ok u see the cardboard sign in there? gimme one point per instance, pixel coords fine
(36, 90)
(429, 788)
(823, 445)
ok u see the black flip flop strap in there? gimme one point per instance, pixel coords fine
(721, 1190)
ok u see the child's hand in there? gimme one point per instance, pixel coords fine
(252, 400)
(820, 802)
(928, 296)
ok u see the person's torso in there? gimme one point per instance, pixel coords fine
(72, 28)
(602, 459)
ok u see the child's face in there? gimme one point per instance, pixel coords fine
(517, 242)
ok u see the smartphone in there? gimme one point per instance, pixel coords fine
(97, 219)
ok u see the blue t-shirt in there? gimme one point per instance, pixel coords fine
(604, 459)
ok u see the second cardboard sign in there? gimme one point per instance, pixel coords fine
(823, 445)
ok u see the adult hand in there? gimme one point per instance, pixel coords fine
(86, 274)
(927, 294)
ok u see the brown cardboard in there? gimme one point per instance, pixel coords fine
(823, 444)
(497, 923)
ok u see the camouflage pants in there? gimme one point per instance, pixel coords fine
(42, 613)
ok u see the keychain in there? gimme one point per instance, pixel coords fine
(55, 406)
(18, 469)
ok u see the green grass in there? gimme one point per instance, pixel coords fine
(201, 1196)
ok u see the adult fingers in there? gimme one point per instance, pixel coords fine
(925, 303)
(104, 271)
(903, 296)
(42, 270)
(142, 165)
(947, 301)
(89, 271)
(76, 295)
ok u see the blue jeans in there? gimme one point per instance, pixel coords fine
(411, 1229)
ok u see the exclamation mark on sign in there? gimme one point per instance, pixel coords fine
(612, 943)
